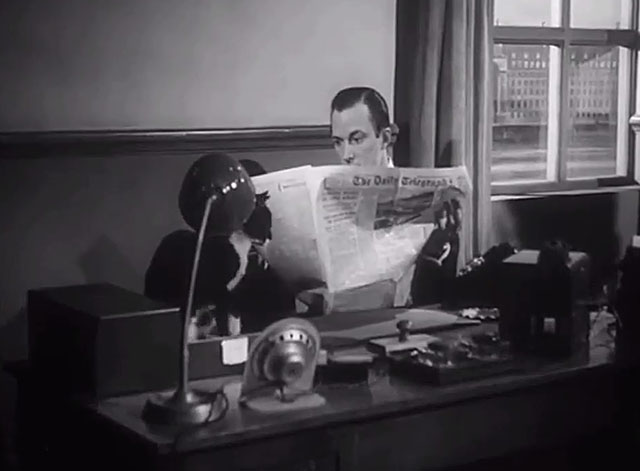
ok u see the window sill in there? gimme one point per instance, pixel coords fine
(524, 194)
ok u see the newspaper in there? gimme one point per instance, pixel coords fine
(344, 227)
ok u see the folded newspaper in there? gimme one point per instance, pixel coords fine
(343, 228)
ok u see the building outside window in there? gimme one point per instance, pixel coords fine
(576, 132)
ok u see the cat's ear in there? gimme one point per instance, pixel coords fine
(261, 198)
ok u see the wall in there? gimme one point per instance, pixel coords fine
(187, 63)
(145, 64)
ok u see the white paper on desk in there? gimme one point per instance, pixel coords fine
(421, 315)
(234, 350)
(421, 319)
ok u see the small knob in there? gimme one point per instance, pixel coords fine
(404, 326)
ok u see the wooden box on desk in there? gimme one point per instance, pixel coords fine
(101, 340)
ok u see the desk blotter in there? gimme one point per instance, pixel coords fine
(361, 326)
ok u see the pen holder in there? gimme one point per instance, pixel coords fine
(403, 342)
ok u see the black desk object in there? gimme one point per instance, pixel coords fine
(627, 303)
(542, 305)
(99, 339)
(458, 360)
(392, 423)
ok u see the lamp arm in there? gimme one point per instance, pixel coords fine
(188, 310)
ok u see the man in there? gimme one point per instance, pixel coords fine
(360, 128)
(363, 135)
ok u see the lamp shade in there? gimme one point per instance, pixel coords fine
(220, 174)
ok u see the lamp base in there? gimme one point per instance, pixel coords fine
(273, 403)
(184, 407)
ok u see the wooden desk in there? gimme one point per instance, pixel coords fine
(391, 424)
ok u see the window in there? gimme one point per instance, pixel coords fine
(585, 49)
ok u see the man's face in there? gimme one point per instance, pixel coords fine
(354, 137)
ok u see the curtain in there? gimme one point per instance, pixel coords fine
(443, 98)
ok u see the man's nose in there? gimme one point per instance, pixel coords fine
(347, 154)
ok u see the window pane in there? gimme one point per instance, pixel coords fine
(521, 108)
(523, 13)
(610, 14)
(593, 105)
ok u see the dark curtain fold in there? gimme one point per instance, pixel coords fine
(443, 95)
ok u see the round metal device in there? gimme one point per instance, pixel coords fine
(284, 355)
(290, 351)
(280, 370)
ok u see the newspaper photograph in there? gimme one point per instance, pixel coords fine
(346, 227)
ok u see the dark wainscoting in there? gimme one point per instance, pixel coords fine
(88, 206)
(30, 144)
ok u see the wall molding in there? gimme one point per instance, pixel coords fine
(51, 144)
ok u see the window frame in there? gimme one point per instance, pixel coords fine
(563, 37)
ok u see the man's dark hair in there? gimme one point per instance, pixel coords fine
(378, 109)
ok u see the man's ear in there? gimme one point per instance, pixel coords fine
(387, 137)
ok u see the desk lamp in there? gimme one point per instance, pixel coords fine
(216, 198)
